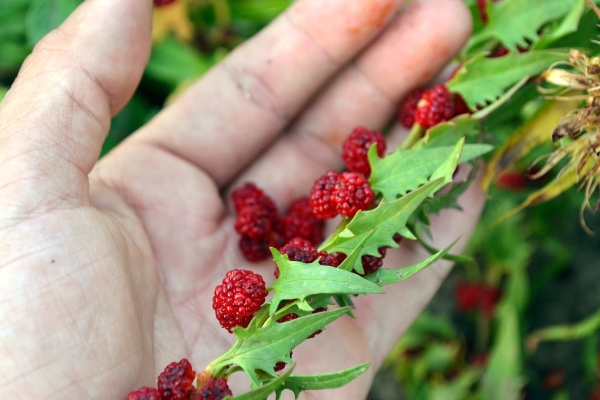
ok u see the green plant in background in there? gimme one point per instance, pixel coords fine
(529, 74)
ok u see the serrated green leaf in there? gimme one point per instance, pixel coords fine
(262, 348)
(513, 22)
(299, 383)
(262, 392)
(449, 132)
(445, 171)
(484, 79)
(46, 15)
(405, 170)
(299, 280)
(568, 25)
(389, 217)
(384, 276)
(354, 261)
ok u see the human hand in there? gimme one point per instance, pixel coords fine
(108, 269)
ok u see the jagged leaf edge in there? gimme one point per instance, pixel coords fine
(262, 392)
(299, 383)
(261, 340)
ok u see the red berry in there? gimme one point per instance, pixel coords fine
(320, 196)
(331, 260)
(371, 264)
(298, 249)
(351, 193)
(435, 106)
(356, 146)
(512, 180)
(460, 106)
(245, 195)
(214, 389)
(144, 393)
(300, 221)
(254, 250)
(254, 222)
(161, 3)
(175, 382)
(281, 365)
(235, 301)
(408, 108)
(471, 296)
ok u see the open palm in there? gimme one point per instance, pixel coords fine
(107, 269)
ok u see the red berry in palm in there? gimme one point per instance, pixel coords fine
(356, 146)
(351, 193)
(254, 250)
(254, 222)
(246, 195)
(298, 249)
(214, 389)
(145, 393)
(320, 196)
(435, 106)
(235, 301)
(408, 108)
(300, 221)
(175, 382)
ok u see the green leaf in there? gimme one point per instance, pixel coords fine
(580, 330)
(299, 383)
(513, 22)
(502, 379)
(262, 392)
(354, 260)
(299, 280)
(384, 276)
(3, 91)
(46, 15)
(405, 170)
(449, 132)
(173, 62)
(568, 25)
(456, 389)
(484, 79)
(261, 348)
(389, 217)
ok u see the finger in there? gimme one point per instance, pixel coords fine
(242, 103)
(414, 48)
(55, 117)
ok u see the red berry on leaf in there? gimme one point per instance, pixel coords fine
(408, 108)
(351, 193)
(436, 106)
(214, 389)
(298, 249)
(175, 382)
(145, 393)
(356, 146)
(235, 301)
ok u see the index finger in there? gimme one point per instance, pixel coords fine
(239, 106)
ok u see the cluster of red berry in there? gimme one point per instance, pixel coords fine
(176, 383)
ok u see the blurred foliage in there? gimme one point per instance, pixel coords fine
(477, 352)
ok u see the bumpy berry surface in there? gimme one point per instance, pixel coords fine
(298, 249)
(460, 106)
(371, 264)
(254, 222)
(331, 260)
(246, 195)
(320, 196)
(254, 250)
(300, 221)
(145, 393)
(435, 106)
(351, 193)
(237, 299)
(356, 146)
(175, 382)
(214, 389)
(408, 108)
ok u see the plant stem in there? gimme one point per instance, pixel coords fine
(413, 136)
